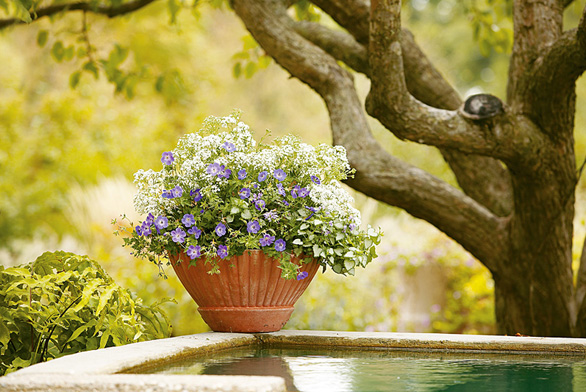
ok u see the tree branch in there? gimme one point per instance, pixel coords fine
(391, 103)
(353, 15)
(537, 25)
(482, 178)
(552, 81)
(378, 174)
(110, 12)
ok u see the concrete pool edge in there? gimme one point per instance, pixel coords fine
(97, 370)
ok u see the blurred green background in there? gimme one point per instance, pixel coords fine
(67, 156)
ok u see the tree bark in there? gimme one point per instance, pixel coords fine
(523, 233)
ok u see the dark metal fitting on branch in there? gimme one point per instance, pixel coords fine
(481, 107)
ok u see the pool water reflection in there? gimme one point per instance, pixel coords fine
(324, 369)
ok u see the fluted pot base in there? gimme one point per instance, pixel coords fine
(248, 295)
(246, 319)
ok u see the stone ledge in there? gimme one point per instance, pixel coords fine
(142, 383)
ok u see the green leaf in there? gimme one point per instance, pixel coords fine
(248, 42)
(297, 241)
(57, 51)
(250, 70)
(246, 214)
(234, 210)
(74, 79)
(91, 68)
(264, 61)
(42, 38)
(105, 297)
(237, 70)
(69, 53)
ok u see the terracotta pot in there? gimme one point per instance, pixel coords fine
(248, 295)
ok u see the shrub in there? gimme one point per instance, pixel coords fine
(62, 304)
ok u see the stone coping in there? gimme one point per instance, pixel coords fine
(99, 370)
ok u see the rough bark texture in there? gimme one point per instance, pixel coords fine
(516, 170)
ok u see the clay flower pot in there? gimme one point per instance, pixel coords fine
(248, 295)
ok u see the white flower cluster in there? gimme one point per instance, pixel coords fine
(229, 143)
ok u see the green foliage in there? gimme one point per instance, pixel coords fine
(385, 297)
(63, 303)
(250, 59)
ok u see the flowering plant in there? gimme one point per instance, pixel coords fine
(220, 193)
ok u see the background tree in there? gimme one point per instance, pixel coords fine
(514, 161)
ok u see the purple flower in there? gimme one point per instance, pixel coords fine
(220, 229)
(280, 245)
(285, 202)
(222, 251)
(214, 169)
(244, 193)
(178, 235)
(262, 176)
(271, 216)
(177, 191)
(146, 228)
(253, 227)
(150, 219)
(167, 158)
(294, 191)
(352, 226)
(194, 251)
(138, 230)
(260, 204)
(303, 192)
(188, 220)
(315, 180)
(302, 275)
(242, 174)
(167, 194)
(161, 222)
(281, 190)
(313, 211)
(196, 194)
(229, 146)
(194, 231)
(267, 240)
(279, 174)
(224, 173)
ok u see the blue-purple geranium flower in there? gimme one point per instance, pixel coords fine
(280, 245)
(253, 227)
(177, 191)
(267, 240)
(167, 158)
(315, 180)
(262, 176)
(193, 251)
(244, 193)
(222, 251)
(178, 235)
(260, 204)
(302, 275)
(213, 169)
(161, 222)
(242, 174)
(196, 194)
(188, 220)
(279, 174)
(194, 231)
(230, 147)
(220, 229)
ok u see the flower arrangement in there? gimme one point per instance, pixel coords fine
(220, 193)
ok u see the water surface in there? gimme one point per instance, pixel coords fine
(341, 370)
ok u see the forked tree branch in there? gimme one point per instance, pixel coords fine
(110, 12)
(379, 174)
(482, 178)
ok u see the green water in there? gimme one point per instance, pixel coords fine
(340, 370)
